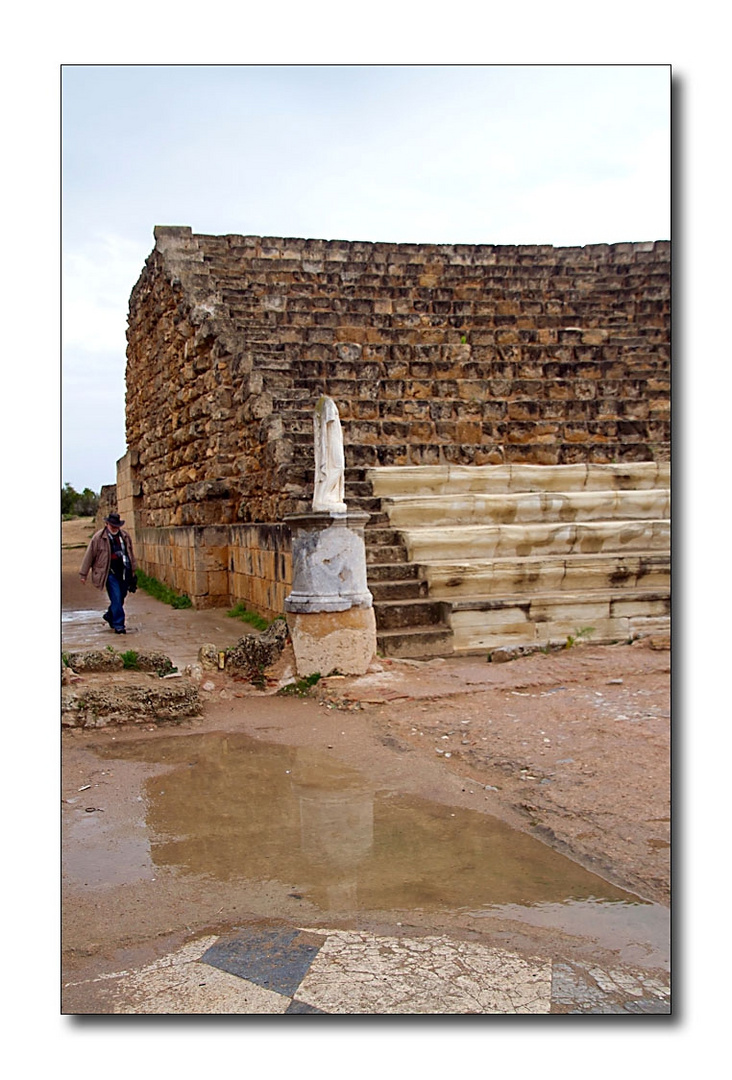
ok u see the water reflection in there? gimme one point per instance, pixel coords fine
(233, 807)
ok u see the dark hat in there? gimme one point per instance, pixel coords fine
(114, 519)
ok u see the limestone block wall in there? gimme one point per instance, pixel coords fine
(127, 491)
(435, 354)
(260, 562)
(216, 566)
(107, 504)
(192, 560)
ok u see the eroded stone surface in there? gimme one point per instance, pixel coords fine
(256, 652)
(328, 563)
(276, 969)
(128, 698)
(358, 973)
(339, 641)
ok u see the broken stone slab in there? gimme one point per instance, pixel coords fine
(254, 653)
(129, 699)
(94, 661)
(108, 660)
(208, 656)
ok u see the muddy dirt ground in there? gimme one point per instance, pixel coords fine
(571, 747)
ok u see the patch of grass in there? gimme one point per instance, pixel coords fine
(302, 686)
(162, 592)
(129, 660)
(65, 659)
(572, 639)
(240, 611)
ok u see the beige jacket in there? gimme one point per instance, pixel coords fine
(98, 557)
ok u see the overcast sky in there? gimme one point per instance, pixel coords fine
(559, 155)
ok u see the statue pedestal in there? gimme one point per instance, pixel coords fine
(330, 609)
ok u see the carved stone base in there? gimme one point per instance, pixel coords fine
(328, 562)
(330, 641)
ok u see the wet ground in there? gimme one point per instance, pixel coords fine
(362, 852)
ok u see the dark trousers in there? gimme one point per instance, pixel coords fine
(117, 591)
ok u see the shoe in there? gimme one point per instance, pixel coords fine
(105, 616)
(121, 631)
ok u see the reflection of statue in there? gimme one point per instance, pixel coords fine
(329, 459)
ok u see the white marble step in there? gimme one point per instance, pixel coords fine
(390, 481)
(473, 578)
(599, 617)
(412, 511)
(466, 542)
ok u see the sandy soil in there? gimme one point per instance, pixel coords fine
(571, 747)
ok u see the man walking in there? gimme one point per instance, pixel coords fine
(112, 563)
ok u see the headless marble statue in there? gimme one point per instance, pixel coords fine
(329, 458)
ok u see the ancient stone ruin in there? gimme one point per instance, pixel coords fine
(505, 417)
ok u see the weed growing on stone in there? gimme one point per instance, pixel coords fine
(302, 686)
(240, 611)
(129, 660)
(572, 639)
(162, 592)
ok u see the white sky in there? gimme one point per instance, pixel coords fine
(555, 154)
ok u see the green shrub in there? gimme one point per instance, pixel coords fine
(129, 660)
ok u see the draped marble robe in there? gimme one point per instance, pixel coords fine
(329, 458)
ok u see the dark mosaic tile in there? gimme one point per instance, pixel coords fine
(276, 959)
(648, 1005)
(296, 1006)
(569, 988)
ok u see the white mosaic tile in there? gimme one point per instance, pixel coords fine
(359, 973)
(178, 983)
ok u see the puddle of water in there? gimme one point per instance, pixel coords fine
(231, 808)
(639, 932)
(80, 618)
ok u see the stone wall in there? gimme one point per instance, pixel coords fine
(127, 491)
(216, 566)
(452, 354)
(260, 564)
(107, 504)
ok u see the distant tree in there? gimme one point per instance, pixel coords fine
(73, 504)
(87, 504)
(68, 499)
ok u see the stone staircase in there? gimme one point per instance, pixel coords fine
(468, 559)
(408, 622)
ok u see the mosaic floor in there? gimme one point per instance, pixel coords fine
(286, 970)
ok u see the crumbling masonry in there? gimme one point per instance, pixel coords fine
(454, 365)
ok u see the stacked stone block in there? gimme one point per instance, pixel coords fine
(437, 355)
(192, 560)
(260, 561)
